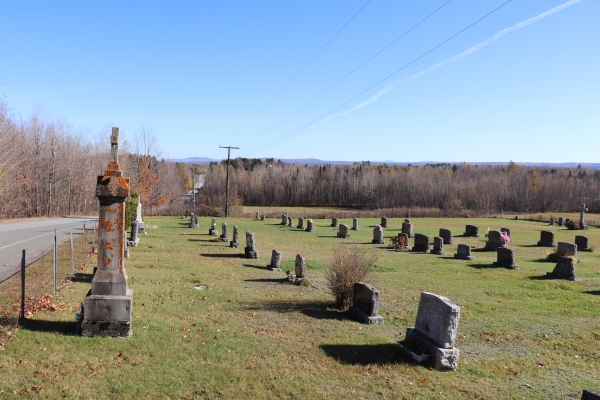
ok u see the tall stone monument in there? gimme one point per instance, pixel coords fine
(108, 304)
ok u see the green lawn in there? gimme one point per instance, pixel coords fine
(249, 335)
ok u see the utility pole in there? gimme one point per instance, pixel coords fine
(227, 179)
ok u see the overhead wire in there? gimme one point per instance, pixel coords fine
(296, 74)
(382, 80)
(350, 73)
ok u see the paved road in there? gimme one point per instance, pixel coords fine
(35, 236)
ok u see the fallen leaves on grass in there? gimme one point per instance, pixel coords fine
(45, 302)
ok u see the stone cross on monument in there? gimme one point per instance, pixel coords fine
(108, 305)
(582, 211)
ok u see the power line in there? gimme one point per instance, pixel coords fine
(296, 74)
(382, 80)
(351, 72)
(227, 180)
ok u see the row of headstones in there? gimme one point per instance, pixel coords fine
(300, 268)
(582, 209)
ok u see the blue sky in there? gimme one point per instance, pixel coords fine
(196, 72)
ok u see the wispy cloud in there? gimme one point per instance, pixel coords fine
(457, 57)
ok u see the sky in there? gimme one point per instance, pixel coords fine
(339, 80)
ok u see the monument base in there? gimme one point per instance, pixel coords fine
(250, 253)
(462, 257)
(494, 246)
(342, 236)
(270, 268)
(224, 239)
(213, 232)
(133, 243)
(234, 244)
(360, 316)
(141, 228)
(506, 265)
(442, 359)
(107, 315)
(421, 250)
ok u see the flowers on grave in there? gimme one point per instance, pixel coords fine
(504, 238)
(378, 227)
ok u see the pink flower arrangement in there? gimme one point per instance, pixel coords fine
(378, 227)
(504, 238)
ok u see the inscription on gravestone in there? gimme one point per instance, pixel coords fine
(463, 252)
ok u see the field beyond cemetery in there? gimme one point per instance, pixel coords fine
(249, 334)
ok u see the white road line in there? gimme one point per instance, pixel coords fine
(49, 233)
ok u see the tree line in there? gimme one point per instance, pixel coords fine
(49, 168)
(450, 188)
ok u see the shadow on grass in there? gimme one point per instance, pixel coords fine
(544, 278)
(532, 245)
(364, 354)
(37, 325)
(483, 266)
(313, 309)
(543, 260)
(328, 237)
(255, 266)
(264, 280)
(222, 255)
(82, 278)
(594, 292)
(481, 250)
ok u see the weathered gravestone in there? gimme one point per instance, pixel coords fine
(365, 304)
(494, 241)
(133, 239)
(138, 218)
(186, 214)
(224, 234)
(334, 222)
(589, 394)
(290, 221)
(193, 221)
(384, 222)
(566, 249)
(567, 221)
(234, 243)
(309, 225)
(407, 220)
(422, 243)
(471, 231)
(275, 261)
(582, 211)
(213, 228)
(300, 223)
(377, 235)
(403, 238)
(250, 249)
(407, 228)
(343, 232)
(354, 224)
(507, 230)
(463, 252)
(284, 219)
(582, 243)
(435, 331)
(546, 239)
(438, 246)
(552, 221)
(109, 303)
(446, 235)
(257, 215)
(560, 221)
(505, 257)
(565, 269)
(300, 267)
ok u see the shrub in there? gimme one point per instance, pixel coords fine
(398, 243)
(348, 266)
(572, 225)
(130, 210)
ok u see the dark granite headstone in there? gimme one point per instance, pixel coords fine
(463, 252)
(422, 243)
(506, 258)
(446, 234)
(565, 269)
(471, 231)
(365, 304)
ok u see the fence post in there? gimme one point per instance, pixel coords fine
(94, 240)
(72, 256)
(84, 244)
(54, 260)
(22, 314)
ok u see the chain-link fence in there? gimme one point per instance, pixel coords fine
(44, 274)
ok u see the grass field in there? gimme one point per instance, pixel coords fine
(249, 335)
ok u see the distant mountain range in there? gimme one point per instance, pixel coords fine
(314, 161)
